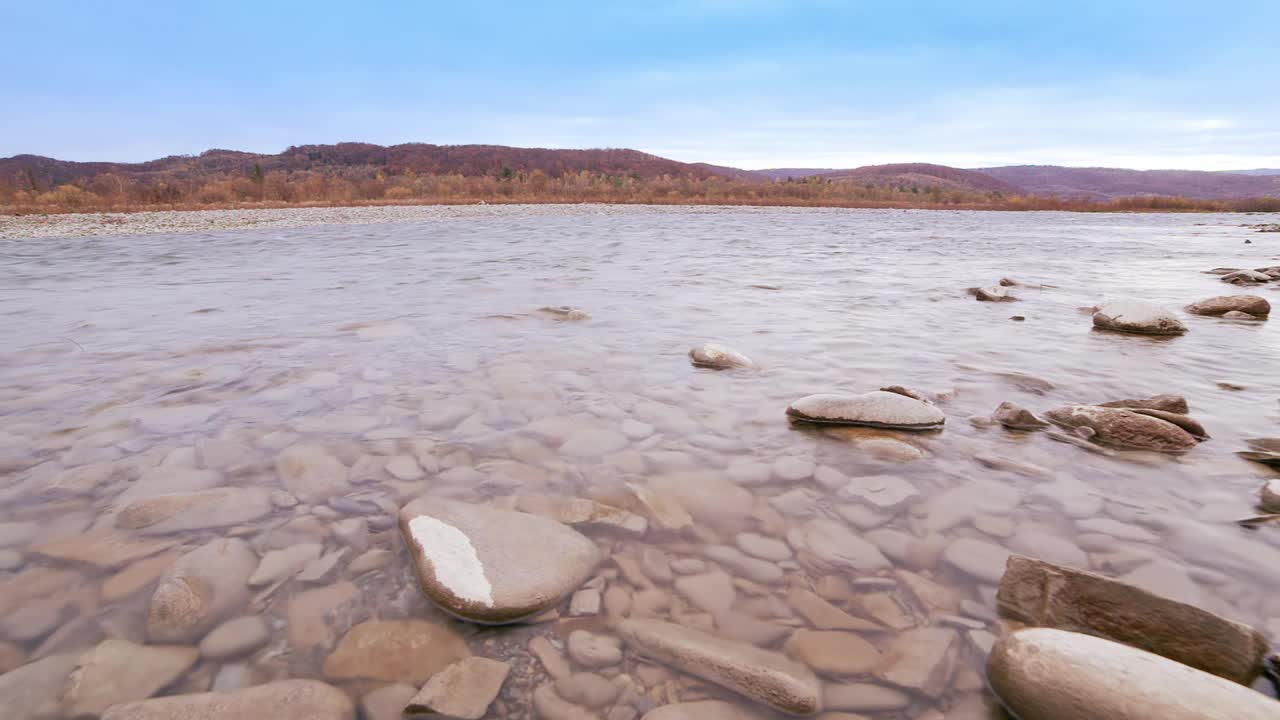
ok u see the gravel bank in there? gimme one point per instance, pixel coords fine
(190, 221)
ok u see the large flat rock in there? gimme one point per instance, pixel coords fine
(1140, 317)
(1043, 594)
(1050, 674)
(764, 676)
(493, 566)
(874, 409)
(398, 651)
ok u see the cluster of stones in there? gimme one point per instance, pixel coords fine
(1093, 647)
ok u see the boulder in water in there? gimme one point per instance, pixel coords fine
(718, 357)
(1137, 316)
(1246, 277)
(1050, 674)
(874, 409)
(493, 566)
(1223, 304)
(1122, 428)
(994, 293)
(1016, 417)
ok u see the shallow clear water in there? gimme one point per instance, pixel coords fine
(425, 340)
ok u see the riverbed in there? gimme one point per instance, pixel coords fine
(416, 352)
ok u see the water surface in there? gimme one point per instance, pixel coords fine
(424, 340)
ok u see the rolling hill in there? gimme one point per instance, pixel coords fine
(361, 162)
(1106, 183)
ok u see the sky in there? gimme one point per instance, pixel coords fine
(745, 83)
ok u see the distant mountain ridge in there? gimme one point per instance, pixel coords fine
(1107, 183)
(32, 172)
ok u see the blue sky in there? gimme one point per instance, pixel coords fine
(749, 83)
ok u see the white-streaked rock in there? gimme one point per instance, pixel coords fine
(493, 566)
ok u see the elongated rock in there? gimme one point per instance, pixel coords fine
(1223, 304)
(1166, 403)
(764, 676)
(1043, 594)
(1137, 316)
(283, 700)
(493, 566)
(874, 409)
(1051, 674)
(1123, 428)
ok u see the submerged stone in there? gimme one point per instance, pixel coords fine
(493, 566)
(1050, 674)
(874, 409)
(764, 676)
(200, 589)
(397, 651)
(283, 700)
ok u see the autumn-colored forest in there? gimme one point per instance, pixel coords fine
(364, 174)
(108, 192)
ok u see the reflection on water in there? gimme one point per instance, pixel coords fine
(415, 356)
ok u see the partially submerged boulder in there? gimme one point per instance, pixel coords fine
(1050, 674)
(1016, 417)
(993, 293)
(1247, 277)
(718, 357)
(1122, 428)
(1223, 304)
(1044, 594)
(493, 566)
(1137, 316)
(1166, 403)
(873, 409)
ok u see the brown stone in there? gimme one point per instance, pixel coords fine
(104, 548)
(1165, 403)
(830, 652)
(310, 616)
(825, 616)
(761, 675)
(283, 700)
(1043, 594)
(463, 690)
(1223, 304)
(136, 577)
(922, 659)
(404, 651)
(1123, 428)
